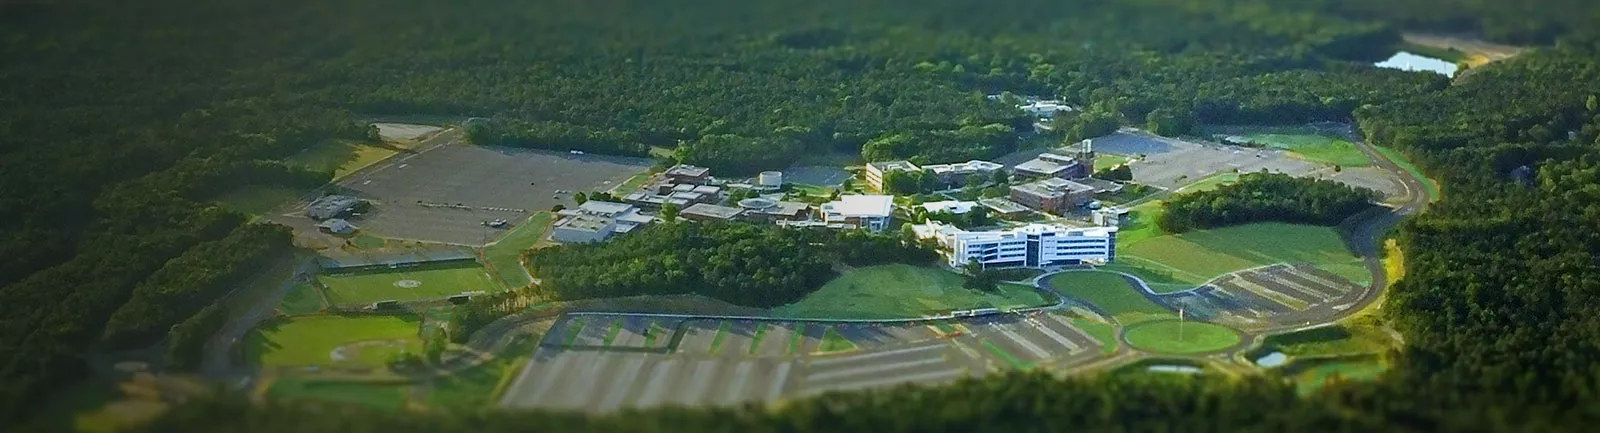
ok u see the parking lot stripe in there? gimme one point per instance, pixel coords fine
(547, 376)
(779, 381)
(660, 375)
(1020, 340)
(581, 391)
(1071, 347)
(922, 377)
(699, 382)
(741, 375)
(842, 359)
(1074, 329)
(622, 384)
(871, 369)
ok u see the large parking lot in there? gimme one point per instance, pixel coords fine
(443, 194)
(604, 362)
(1169, 163)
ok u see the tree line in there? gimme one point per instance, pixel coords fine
(1266, 197)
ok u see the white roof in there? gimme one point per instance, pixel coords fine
(605, 207)
(952, 206)
(861, 206)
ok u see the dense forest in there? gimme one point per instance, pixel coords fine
(119, 121)
(1266, 197)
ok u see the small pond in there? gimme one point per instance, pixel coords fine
(1412, 62)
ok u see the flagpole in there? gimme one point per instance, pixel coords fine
(1180, 323)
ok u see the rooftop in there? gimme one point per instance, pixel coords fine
(887, 166)
(687, 170)
(861, 206)
(584, 223)
(951, 206)
(1003, 205)
(604, 207)
(969, 166)
(1041, 166)
(712, 211)
(1064, 185)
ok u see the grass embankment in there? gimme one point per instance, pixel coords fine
(505, 255)
(1430, 187)
(406, 284)
(900, 291)
(390, 397)
(479, 387)
(1317, 148)
(327, 341)
(1210, 183)
(1171, 262)
(302, 299)
(1110, 293)
(1181, 338)
(343, 157)
(1102, 332)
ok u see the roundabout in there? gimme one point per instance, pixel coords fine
(1180, 338)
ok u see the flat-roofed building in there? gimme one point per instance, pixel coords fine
(951, 206)
(875, 171)
(871, 212)
(710, 212)
(1056, 166)
(768, 210)
(1004, 207)
(685, 173)
(1033, 245)
(958, 173)
(595, 221)
(1053, 195)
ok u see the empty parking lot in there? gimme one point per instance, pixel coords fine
(444, 194)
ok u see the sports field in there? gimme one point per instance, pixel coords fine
(1111, 294)
(377, 396)
(1177, 262)
(898, 291)
(406, 284)
(1180, 338)
(505, 255)
(353, 341)
(1317, 148)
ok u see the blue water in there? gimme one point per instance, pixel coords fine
(1273, 359)
(1412, 62)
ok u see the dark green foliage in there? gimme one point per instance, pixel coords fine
(192, 281)
(186, 341)
(1120, 173)
(942, 146)
(557, 136)
(1266, 197)
(729, 154)
(863, 248)
(744, 264)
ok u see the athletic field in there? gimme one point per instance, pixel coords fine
(329, 340)
(406, 284)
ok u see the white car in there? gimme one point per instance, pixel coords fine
(577, 152)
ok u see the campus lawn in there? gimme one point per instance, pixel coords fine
(366, 287)
(1431, 187)
(478, 387)
(1194, 337)
(1317, 148)
(1111, 294)
(312, 340)
(1141, 222)
(1192, 258)
(342, 157)
(390, 397)
(302, 299)
(505, 255)
(257, 200)
(900, 291)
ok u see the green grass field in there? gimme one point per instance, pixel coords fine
(1317, 148)
(1111, 293)
(833, 341)
(1309, 379)
(314, 340)
(406, 284)
(342, 157)
(1194, 337)
(898, 291)
(475, 388)
(1171, 262)
(378, 396)
(631, 184)
(1210, 183)
(1334, 340)
(1406, 164)
(257, 200)
(302, 299)
(1102, 332)
(505, 256)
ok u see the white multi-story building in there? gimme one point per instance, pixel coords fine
(1034, 245)
(871, 212)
